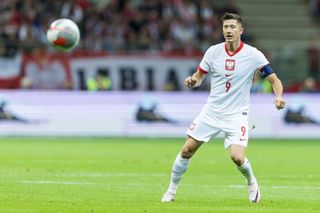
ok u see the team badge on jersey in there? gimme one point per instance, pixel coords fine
(230, 64)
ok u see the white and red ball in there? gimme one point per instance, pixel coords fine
(63, 35)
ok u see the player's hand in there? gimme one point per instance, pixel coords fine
(279, 103)
(190, 81)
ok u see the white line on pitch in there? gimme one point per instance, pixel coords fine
(112, 175)
(149, 184)
(55, 182)
(116, 174)
(245, 186)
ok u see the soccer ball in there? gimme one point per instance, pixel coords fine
(63, 35)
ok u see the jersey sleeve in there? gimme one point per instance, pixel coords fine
(262, 65)
(205, 64)
(260, 59)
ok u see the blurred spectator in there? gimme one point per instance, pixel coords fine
(172, 82)
(10, 63)
(230, 7)
(72, 10)
(313, 54)
(99, 82)
(26, 83)
(42, 70)
(309, 85)
(314, 7)
(260, 85)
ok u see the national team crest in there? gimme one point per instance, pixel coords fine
(230, 64)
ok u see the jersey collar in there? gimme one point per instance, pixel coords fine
(235, 52)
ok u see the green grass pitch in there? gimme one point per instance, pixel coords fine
(128, 175)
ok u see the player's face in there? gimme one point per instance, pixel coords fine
(232, 30)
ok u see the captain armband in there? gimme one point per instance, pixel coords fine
(265, 71)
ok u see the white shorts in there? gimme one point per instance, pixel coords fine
(207, 125)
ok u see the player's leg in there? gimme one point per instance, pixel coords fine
(200, 131)
(237, 154)
(237, 138)
(180, 166)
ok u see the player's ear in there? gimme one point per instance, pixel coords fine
(241, 30)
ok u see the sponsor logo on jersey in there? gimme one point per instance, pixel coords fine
(230, 64)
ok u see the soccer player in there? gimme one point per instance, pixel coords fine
(232, 66)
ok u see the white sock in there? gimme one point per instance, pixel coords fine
(179, 167)
(247, 171)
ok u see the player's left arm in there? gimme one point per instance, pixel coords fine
(269, 75)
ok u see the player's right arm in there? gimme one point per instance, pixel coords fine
(195, 80)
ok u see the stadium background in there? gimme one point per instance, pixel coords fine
(133, 58)
(123, 83)
(165, 28)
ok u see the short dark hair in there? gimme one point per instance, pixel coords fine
(228, 16)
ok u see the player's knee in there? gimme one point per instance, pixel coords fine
(186, 152)
(237, 158)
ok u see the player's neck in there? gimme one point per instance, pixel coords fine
(233, 46)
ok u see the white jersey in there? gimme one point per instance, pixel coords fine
(231, 77)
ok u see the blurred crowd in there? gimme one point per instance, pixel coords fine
(179, 26)
(186, 27)
(314, 8)
(311, 84)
